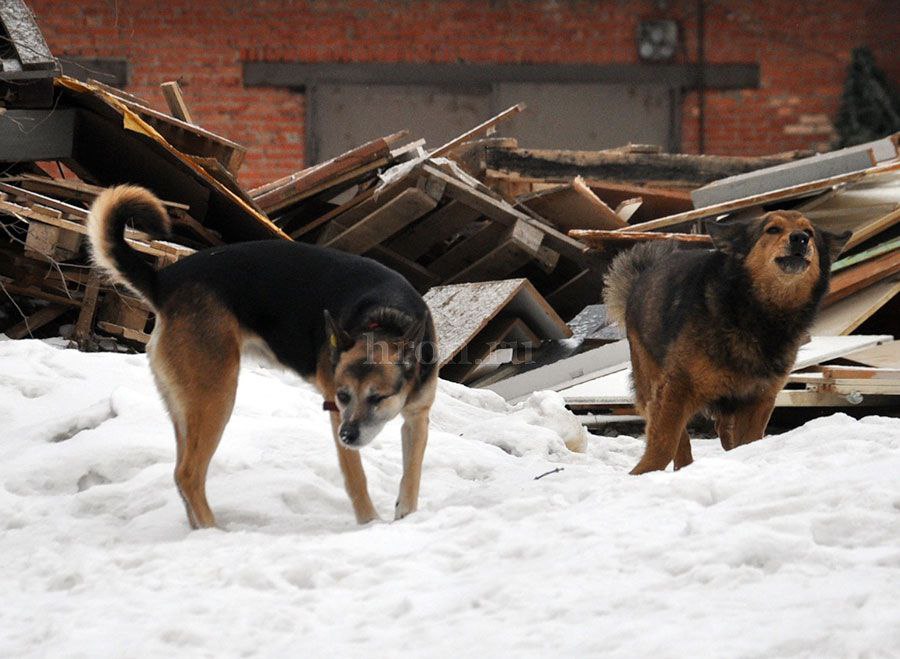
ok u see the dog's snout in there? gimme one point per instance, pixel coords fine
(349, 434)
(799, 242)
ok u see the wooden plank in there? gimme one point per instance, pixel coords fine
(435, 228)
(34, 197)
(766, 198)
(798, 172)
(88, 308)
(866, 255)
(602, 239)
(573, 206)
(297, 186)
(39, 294)
(863, 233)
(420, 277)
(163, 249)
(186, 137)
(384, 222)
(682, 169)
(25, 36)
(124, 332)
(846, 315)
(462, 311)
(468, 250)
(481, 129)
(846, 282)
(175, 100)
(519, 246)
(36, 320)
(886, 355)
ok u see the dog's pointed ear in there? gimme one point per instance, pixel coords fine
(835, 243)
(338, 339)
(411, 342)
(732, 237)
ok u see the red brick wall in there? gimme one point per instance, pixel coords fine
(802, 47)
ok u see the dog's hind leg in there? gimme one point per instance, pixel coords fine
(354, 476)
(414, 435)
(683, 455)
(195, 361)
(667, 415)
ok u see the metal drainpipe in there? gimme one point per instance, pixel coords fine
(701, 76)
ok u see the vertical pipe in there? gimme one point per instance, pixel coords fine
(701, 76)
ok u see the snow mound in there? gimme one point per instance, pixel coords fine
(786, 547)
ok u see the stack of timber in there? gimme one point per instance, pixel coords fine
(85, 138)
(855, 189)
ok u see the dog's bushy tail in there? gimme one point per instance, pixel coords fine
(110, 213)
(625, 268)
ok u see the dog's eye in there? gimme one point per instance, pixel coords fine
(374, 399)
(773, 230)
(343, 397)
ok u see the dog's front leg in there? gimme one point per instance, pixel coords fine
(750, 422)
(414, 435)
(354, 476)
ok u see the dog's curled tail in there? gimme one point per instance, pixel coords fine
(110, 213)
(620, 278)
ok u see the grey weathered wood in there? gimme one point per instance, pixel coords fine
(384, 222)
(518, 247)
(826, 165)
(175, 100)
(437, 227)
(26, 36)
(468, 250)
(36, 320)
(462, 311)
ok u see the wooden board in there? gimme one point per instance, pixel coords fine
(520, 244)
(437, 227)
(299, 185)
(461, 311)
(605, 388)
(384, 222)
(573, 206)
(603, 239)
(566, 372)
(805, 170)
(886, 355)
(765, 198)
(849, 281)
(846, 315)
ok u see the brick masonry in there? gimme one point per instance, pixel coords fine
(803, 49)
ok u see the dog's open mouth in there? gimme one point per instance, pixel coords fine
(792, 265)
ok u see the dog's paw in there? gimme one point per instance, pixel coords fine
(401, 510)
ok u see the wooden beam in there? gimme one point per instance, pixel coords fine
(848, 281)
(602, 239)
(766, 198)
(384, 221)
(36, 320)
(520, 245)
(682, 76)
(175, 100)
(435, 228)
(478, 131)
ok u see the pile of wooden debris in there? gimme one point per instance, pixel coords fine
(507, 244)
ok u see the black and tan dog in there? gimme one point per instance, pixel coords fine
(356, 329)
(717, 331)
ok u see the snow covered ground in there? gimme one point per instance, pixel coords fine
(789, 547)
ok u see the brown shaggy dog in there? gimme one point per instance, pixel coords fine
(717, 331)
